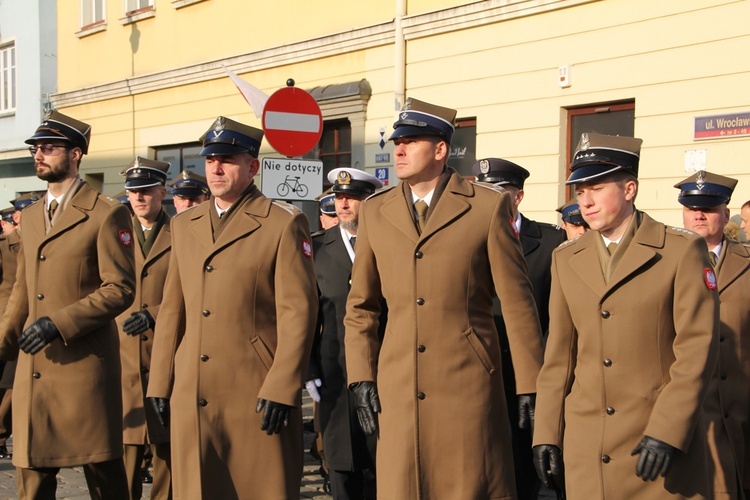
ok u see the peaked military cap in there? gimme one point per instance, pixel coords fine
(189, 185)
(571, 213)
(500, 172)
(705, 189)
(57, 126)
(145, 173)
(7, 215)
(27, 199)
(228, 137)
(353, 181)
(598, 155)
(326, 202)
(421, 118)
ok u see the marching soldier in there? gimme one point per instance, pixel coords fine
(145, 179)
(538, 240)
(704, 197)
(188, 190)
(349, 453)
(235, 327)
(632, 344)
(437, 248)
(572, 220)
(75, 275)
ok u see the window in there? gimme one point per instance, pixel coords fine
(335, 146)
(134, 6)
(7, 78)
(464, 146)
(182, 157)
(92, 13)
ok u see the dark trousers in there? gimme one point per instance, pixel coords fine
(6, 417)
(353, 485)
(161, 489)
(106, 480)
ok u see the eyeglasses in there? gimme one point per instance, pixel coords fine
(47, 149)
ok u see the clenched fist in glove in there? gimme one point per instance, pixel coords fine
(39, 334)
(138, 322)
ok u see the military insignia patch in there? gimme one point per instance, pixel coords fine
(126, 238)
(306, 248)
(710, 278)
(513, 226)
(484, 166)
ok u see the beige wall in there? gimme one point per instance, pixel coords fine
(496, 61)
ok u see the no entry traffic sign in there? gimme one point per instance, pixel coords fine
(292, 121)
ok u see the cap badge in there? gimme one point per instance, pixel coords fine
(185, 174)
(48, 115)
(700, 182)
(404, 115)
(585, 142)
(344, 177)
(484, 166)
(219, 126)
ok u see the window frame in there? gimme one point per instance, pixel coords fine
(92, 23)
(9, 48)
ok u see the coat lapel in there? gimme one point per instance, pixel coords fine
(397, 209)
(244, 222)
(451, 205)
(334, 245)
(77, 211)
(640, 251)
(530, 235)
(585, 263)
(161, 244)
(736, 261)
(200, 225)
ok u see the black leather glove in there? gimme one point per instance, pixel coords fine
(368, 405)
(655, 458)
(39, 334)
(526, 405)
(161, 407)
(548, 463)
(138, 322)
(274, 416)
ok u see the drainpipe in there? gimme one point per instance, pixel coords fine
(399, 60)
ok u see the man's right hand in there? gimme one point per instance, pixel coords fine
(138, 322)
(548, 463)
(368, 405)
(161, 407)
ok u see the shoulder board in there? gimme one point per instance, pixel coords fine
(286, 206)
(108, 199)
(378, 193)
(492, 187)
(318, 233)
(550, 226)
(680, 230)
(568, 242)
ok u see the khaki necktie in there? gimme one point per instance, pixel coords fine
(612, 247)
(52, 208)
(714, 258)
(421, 208)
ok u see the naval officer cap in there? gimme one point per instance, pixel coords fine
(598, 155)
(228, 137)
(421, 118)
(25, 200)
(7, 215)
(705, 189)
(59, 127)
(500, 172)
(571, 213)
(144, 173)
(353, 181)
(189, 185)
(326, 202)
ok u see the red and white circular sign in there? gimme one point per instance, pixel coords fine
(292, 121)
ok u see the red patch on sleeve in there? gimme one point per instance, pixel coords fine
(126, 238)
(513, 226)
(710, 277)
(306, 248)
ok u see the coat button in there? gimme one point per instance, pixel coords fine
(606, 459)
(42, 258)
(421, 348)
(144, 306)
(206, 313)
(721, 339)
(144, 337)
(144, 369)
(40, 296)
(610, 410)
(605, 314)
(419, 255)
(421, 395)
(202, 402)
(420, 301)
(726, 414)
(723, 376)
(209, 268)
(36, 375)
(204, 357)
(607, 362)
(144, 274)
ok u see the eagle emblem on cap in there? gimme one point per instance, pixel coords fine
(700, 182)
(48, 115)
(186, 174)
(585, 142)
(344, 177)
(484, 166)
(219, 126)
(137, 162)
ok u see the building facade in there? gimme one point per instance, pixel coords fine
(526, 78)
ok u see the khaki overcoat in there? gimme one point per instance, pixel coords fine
(67, 404)
(140, 424)
(628, 358)
(9, 246)
(250, 307)
(727, 404)
(444, 429)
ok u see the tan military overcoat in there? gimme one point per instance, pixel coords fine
(727, 403)
(67, 404)
(140, 424)
(250, 305)
(444, 429)
(10, 244)
(629, 358)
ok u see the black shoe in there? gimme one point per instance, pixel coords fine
(146, 477)
(4, 453)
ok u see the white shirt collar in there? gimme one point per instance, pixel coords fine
(346, 236)
(427, 199)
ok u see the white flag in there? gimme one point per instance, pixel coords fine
(255, 97)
